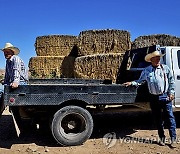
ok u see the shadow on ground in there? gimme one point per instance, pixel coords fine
(123, 124)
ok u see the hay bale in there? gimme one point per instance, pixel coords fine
(103, 41)
(51, 67)
(160, 39)
(99, 66)
(55, 45)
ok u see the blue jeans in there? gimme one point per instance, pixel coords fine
(163, 111)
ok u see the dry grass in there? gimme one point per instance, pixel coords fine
(160, 39)
(51, 67)
(99, 66)
(103, 41)
(55, 45)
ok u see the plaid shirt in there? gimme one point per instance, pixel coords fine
(155, 80)
(15, 71)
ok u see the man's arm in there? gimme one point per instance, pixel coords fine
(16, 72)
(171, 82)
(138, 82)
(6, 76)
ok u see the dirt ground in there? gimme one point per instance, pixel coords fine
(118, 133)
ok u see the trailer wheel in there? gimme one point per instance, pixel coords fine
(72, 125)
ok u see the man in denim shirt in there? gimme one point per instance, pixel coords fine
(15, 72)
(160, 81)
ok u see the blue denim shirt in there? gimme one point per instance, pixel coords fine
(156, 80)
(15, 71)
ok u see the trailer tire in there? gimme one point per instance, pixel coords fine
(72, 125)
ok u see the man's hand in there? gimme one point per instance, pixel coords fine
(2, 81)
(127, 84)
(171, 97)
(14, 85)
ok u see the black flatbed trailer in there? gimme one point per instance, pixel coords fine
(64, 103)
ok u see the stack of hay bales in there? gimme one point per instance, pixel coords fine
(101, 53)
(160, 39)
(94, 54)
(54, 58)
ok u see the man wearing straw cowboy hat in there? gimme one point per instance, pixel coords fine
(15, 72)
(161, 87)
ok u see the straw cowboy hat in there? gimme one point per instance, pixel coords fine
(153, 54)
(9, 46)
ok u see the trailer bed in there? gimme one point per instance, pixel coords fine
(55, 92)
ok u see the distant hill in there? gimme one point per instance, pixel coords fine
(2, 72)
